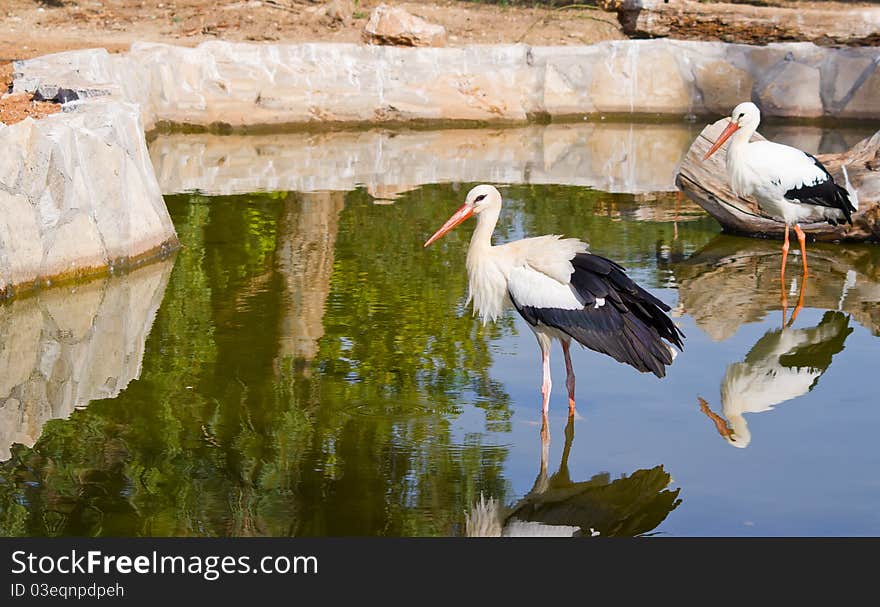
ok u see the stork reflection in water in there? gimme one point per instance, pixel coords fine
(558, 506)
(782, 365)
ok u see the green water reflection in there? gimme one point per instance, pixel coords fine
(304, 367)
(304, 370)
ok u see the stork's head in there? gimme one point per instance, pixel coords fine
(744, 116)
(479, 199)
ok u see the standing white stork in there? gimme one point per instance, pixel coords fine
(562, 292)
(789, 185)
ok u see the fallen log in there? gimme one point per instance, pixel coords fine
(707, 184)
(692, 20)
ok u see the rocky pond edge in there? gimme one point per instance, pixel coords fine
(79, 195)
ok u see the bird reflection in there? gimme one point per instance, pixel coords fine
(782, 365)
(733, 280)
(557, 506)
(798, 307)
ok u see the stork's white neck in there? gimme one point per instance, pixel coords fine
(486, 222)
(487, 283)
(738, 143)
(736, 152)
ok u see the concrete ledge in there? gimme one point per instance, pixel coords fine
(248, 84)
(78, 196)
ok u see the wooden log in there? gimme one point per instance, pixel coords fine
(692, 20)
(707, 184)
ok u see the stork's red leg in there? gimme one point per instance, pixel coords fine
(782, 275)
(802, 239)
(569, 376)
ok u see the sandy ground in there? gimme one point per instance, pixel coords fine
(29, 27)
(17, 107)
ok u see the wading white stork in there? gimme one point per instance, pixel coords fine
(563, 293)
(789, 185)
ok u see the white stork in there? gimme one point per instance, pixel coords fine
(789, 185)
(562, 292)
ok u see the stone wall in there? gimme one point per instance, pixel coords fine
(67, 346)
(247, 84)
(78, 196)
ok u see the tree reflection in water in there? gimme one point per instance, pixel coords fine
(292, 383)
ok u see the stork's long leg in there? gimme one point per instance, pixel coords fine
(784, 299)
(802, 239)
(784, 253)
(569, 376)
(546, 384)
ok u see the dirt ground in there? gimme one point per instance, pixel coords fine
(17, 107)
(29, 27)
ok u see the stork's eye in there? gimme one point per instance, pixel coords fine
(479, 198)
(741, 114)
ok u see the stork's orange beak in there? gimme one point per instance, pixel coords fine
(724, 136)
(460, 215)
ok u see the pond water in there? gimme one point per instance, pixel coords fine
(303, 366)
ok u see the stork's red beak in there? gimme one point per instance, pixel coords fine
(460, 215)
(724, 136)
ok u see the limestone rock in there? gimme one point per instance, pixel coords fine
(846, 75)
(721, 84)
(339, 11)
(641, 79)
(78, 195)
(395, 26)
(865, 101)
(790, 89)
(240, 84)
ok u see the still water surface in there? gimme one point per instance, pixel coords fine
(304, 367)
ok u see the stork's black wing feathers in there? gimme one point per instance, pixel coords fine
(823, 193)
(629, 324)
